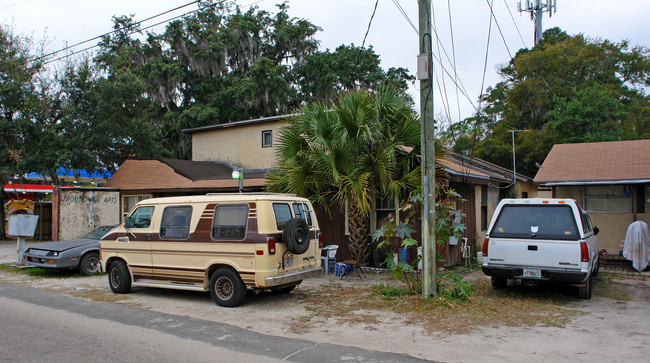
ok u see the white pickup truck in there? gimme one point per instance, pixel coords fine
(540, 239)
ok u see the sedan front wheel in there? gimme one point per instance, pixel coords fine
(89, 264)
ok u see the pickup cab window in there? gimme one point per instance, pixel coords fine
(536, 221)
(176, 222)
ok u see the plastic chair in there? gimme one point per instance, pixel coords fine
(330, 255)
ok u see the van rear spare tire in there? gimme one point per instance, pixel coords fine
(296, 236)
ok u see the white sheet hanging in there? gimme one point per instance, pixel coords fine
(637, 245)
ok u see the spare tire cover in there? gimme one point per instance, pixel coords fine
(296, 235)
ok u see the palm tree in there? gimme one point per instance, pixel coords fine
(350, 152)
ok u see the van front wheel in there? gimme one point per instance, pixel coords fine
(226, 288)
(119, 277)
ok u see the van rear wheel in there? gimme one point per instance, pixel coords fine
(226, 288)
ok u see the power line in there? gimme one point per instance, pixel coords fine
(401, 10)
(487, 49)
(514, 22)
(443, 91)
(132, 32)
(112, 32)
(370, 23)
(499, 28)
(453, 54)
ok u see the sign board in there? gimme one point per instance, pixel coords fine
(22, 225)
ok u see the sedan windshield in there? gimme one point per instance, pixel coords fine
(98, 232)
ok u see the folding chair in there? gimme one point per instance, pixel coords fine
(352, 265)
(330, 255)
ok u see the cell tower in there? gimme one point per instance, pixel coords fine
(536, 8)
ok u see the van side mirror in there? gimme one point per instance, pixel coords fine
(128, 222)
(596, 230)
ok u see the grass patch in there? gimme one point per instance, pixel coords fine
(484, 306)
(41, 272)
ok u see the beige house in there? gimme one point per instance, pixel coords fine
(611, 180)
(248, 144)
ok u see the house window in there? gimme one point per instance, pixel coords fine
(383, 208)
(524, 195)
(176, 222)
(267, 138)
(608, 198)
(230, 222)
(129, 201)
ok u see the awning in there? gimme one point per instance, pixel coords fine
(70, 175)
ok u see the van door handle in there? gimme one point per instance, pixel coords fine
(147, 236)
(532, 248)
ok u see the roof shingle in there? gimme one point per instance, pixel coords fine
(596, 161)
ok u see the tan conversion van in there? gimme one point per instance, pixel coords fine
(223, 243)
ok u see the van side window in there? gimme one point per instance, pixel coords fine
(282, 214)
(176, 222)
(142, 217)
(230, 221)
(302, 211)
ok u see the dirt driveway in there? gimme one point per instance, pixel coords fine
(605, 328)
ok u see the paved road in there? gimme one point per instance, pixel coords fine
(38, 325)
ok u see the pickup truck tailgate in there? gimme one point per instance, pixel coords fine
(534, 253)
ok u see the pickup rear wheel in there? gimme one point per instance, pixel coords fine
(584, 292)
(296, 235)
(499, 281)
(119, 278)
(226, 288)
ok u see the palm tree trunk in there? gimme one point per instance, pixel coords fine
(359, 226)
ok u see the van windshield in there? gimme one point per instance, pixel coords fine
(536, 221)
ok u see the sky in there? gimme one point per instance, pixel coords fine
(461, 27)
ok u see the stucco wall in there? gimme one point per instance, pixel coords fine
(240, 146)
(612, 225)
(529, 188)
(81, 210)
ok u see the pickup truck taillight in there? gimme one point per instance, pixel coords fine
(485, 244)
(271, 244)
(584, 252)
(320, 240)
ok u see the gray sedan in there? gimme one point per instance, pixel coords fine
(82, 253)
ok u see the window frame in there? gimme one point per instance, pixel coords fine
(270, 135)
(278, 224)
(245, 225)
(138, 199)
(135, 211)
(589, 198)
(186, 226)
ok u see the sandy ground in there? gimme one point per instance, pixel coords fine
(607, 330)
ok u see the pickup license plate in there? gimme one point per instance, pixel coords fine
(536, 274)
(288, 260)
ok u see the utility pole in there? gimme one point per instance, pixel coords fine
(514, 163)
(428, 158)
(536, 8)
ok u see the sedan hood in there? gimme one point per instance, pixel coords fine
(65, 245)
